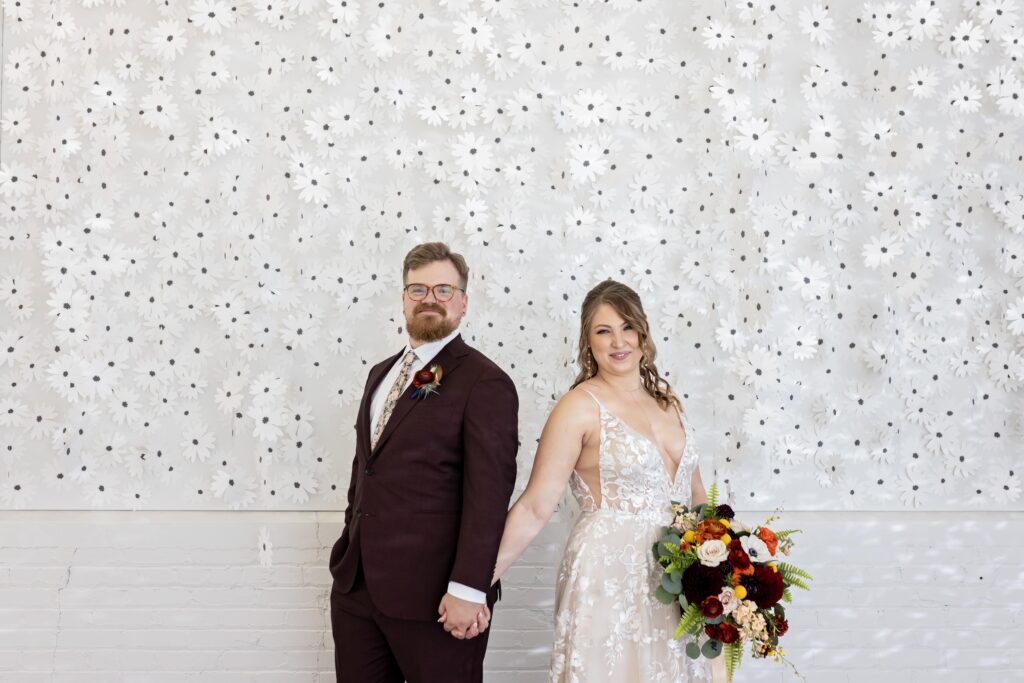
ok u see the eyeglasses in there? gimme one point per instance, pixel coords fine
(442, 293)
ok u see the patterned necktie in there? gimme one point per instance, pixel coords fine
(396, 390)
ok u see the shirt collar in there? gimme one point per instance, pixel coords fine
(426, 352)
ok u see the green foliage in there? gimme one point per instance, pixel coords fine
(786, 533)
(787, 568)
(798, 583)
(711, 649)
(663, 596)
(692, 621)
(787, 596)
(710, 510)
(733, 657)
(794, 576)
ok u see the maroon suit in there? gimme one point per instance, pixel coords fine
(425, 507)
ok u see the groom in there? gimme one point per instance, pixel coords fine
(436, 441)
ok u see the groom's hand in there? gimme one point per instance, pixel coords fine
(461, 618)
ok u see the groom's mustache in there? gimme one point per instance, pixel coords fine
(423, 308)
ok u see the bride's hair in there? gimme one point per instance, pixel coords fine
(627, 304)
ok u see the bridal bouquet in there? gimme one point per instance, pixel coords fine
(729, 581)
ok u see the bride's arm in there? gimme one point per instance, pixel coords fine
(561, 443)
(698, 494)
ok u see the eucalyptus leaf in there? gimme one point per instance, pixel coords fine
(712, 649)
(673, 586)
(663, 596)
(717, 620)
(692, 650)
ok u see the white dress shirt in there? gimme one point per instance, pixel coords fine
(424, 354)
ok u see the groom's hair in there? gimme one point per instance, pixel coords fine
(430, 252)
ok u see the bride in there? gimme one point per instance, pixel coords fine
(621, 441)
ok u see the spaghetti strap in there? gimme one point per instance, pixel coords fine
(587, 392)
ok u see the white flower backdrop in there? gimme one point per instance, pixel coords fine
(205, 205)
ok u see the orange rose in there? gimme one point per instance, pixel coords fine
(710, 529)
(769, 538)
(684, 546)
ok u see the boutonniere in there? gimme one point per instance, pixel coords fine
(427, 382)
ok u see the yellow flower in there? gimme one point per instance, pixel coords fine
(689, 537)
(725, 523)
(727, 539)
(740, 591)
(774, 567)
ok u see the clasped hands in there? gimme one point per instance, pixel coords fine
(462, 618)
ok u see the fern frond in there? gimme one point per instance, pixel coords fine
(733, 657)
(691, 617)
(786, 533)
(798, 583)
(713, 494)
(788, 570)
(787, 596)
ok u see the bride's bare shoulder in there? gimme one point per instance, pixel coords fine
(576, 406)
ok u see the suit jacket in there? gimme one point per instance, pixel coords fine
(428, 503)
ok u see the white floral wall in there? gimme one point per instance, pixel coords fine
(205, 205)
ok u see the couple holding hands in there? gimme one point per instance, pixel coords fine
(428, 531)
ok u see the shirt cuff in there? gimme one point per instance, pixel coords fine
(466, 593)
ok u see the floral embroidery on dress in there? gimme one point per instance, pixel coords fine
(608, 626)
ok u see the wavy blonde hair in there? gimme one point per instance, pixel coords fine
(627, 304)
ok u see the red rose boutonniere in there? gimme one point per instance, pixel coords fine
(427, 382)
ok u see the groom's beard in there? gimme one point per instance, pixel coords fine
(429, 328)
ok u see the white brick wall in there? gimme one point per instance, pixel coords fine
(180, 596)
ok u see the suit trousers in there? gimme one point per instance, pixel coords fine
(370, 647)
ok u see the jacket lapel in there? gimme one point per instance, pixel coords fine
(363, 426)
(448, 358)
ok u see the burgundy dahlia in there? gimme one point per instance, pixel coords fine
(700, 582)
(724, 512)
(765, 587)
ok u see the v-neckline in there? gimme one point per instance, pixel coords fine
(671, 476)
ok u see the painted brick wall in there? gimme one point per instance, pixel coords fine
(181, 596)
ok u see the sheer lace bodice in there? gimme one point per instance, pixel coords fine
(632, 472)
(608, 625)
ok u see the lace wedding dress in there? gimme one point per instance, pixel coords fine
(608, 624)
